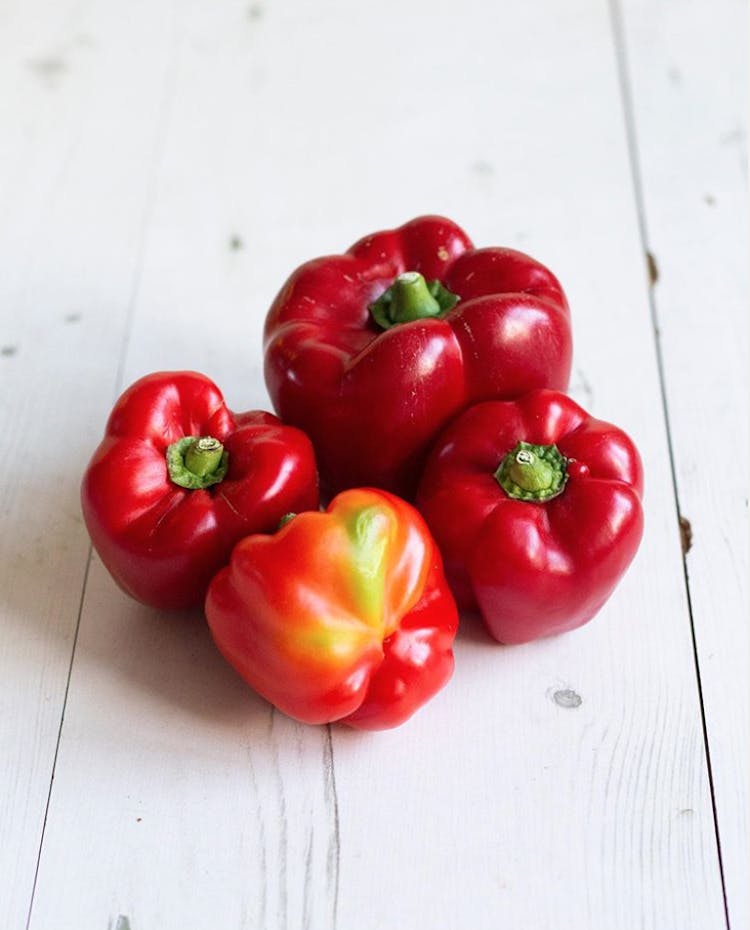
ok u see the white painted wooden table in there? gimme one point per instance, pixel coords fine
(164, 164)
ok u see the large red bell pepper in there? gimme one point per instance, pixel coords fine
(372, 352)
(343, 615)
(536, 507)
(178, 479)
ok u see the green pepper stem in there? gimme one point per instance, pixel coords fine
(410, 298)
(196, 462)
(532, 473)
(203, 457)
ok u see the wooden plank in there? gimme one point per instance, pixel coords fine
(297, 129)
(203, 808)
(80, 128)
(687, 68)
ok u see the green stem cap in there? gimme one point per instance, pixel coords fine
(533, 473)
(197, 462)
(410, 298)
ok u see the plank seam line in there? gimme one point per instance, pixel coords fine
(623, 75)
(59, 736)
(165, 106)
(336, 826)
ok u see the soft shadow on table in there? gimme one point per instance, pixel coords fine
(168, 654)
(170, 657)
(471, 629)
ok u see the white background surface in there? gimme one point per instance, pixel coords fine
(142, 785)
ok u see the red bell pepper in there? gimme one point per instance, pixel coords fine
(536, 507)
(372, 352)
(343, 615)
(178, 479)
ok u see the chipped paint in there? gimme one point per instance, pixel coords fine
(686, 535)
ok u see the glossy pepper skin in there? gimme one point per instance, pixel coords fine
(339, 616)
(162, 541)
(351, 358)
(536, 541)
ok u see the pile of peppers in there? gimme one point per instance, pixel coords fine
(419, 387)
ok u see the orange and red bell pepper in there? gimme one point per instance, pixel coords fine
(374, 351)
(178, 479)
(339, 616)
